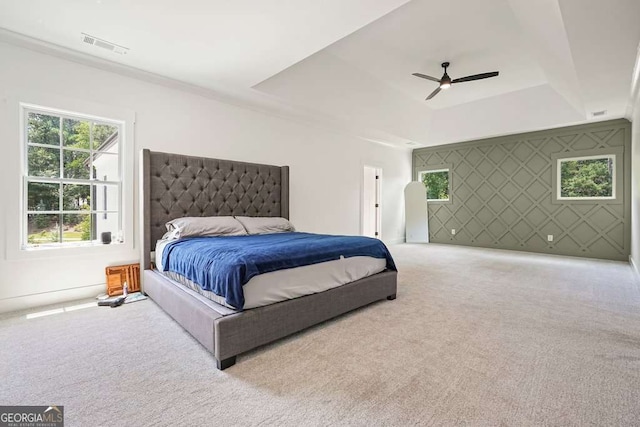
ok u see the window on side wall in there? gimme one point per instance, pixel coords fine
(587, 178)
(437, 183)
(72, 178)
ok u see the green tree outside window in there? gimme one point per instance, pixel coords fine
(437, 184)
(586, 177)
(53, 140)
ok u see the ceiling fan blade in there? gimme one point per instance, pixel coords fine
(424, 76)
(475, 77)
(434, 93)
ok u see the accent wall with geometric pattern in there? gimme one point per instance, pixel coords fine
(502, 193)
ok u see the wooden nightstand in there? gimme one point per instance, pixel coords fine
(117, 275)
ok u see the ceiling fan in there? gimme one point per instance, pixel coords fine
(446, 82)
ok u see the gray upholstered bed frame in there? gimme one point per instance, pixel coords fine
(174, 186)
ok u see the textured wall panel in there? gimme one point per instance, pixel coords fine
(502, 193)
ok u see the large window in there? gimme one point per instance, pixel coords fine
(72, 179)
(437, 184)
(587, 178)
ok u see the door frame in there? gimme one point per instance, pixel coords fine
(378, 197)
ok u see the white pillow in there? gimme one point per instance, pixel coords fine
(265, 225)
(203, 226)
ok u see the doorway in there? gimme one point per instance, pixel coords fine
(371, 209)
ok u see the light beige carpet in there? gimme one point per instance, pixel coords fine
(476, 337)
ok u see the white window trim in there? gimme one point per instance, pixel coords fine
(613, 196)
(25, 110)
(12, 212)
(421, 174)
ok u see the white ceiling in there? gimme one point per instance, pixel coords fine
(349, 62)
(419, 37)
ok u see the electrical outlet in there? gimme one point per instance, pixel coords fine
(453, 231)
(549, 237)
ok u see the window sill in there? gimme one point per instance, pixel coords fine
(50, 246)
(439, 201)
(586, 201)
(74, 250)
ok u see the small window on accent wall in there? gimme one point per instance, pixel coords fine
(587, 178)
(437, 184)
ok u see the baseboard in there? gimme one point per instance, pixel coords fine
(634, 267)
(26, 302)
(395, 241)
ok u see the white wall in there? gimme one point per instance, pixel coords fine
(326, 167)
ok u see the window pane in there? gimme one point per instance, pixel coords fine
(107, 198)
(108, 222)
(106, 167)
(76, 133)
(587, 178)
(437, 184)
(105, 138)
(43, 129)
(42, 228)
(71, 149)
(44, 162)
(76, 227)
(76, 197)
(76, 164)
(43, 196)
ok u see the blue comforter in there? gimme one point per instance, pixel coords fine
(223, 265)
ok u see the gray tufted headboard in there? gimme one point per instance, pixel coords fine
(173, 186)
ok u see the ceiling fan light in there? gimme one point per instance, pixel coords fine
(445, 82)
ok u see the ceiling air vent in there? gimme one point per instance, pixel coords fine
(95, 41)
(599, 113)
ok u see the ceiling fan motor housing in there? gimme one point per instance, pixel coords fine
(445, 81)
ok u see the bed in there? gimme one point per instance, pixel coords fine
(175, 186)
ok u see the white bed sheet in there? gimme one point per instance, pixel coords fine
(269, 288)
